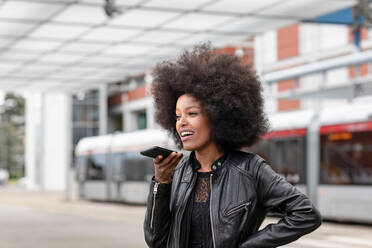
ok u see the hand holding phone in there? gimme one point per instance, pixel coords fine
(164, 161)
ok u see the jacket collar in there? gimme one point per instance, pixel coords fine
(218, 163)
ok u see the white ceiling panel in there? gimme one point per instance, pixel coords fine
(240, 6)
(160, 37)
(5, 42)
(305, 8)
(86, 64)
(62, 74)
(113, 77)
(15, 29)
(215, 39)
(138, 62)
(127, 49)
(82, 47)
(253, 24)
(157, 54)
(11, 83)
(6, 67)
(34, 45)
(108, 34)
(105, 60)
(21, 56)
(29, 10)
(60, 78)
(176, 4)
(198, 22)
(63, 32)
(59, 58)
(77, 70)
(32, 69)
(143, 18)
(41, 86)
(82, 14)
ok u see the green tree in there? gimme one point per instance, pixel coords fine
(12, 132)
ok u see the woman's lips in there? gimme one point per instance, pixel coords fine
(186, 138)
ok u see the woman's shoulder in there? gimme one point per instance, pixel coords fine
(245, 161)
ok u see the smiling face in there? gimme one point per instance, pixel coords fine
(193, 126)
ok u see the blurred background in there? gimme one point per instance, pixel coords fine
(75, 109)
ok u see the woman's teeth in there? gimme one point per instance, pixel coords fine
(186, 133)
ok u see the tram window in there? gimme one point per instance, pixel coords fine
(80, 167)
(286, 156)
(96, 167)
(118, 169)
(137, 167)
(347, 160)
(288, 159)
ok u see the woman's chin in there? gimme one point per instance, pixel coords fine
(188, 147)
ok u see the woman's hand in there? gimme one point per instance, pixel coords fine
(164, 168)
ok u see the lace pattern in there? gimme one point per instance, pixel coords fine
(202, 188)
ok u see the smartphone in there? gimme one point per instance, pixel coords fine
(153, 152)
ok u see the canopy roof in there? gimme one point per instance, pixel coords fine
(70, 45)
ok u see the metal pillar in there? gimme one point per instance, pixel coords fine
(313, 149)
(313, 158)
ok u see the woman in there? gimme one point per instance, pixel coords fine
(217, 196)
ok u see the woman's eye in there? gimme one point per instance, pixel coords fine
(193, 113)
(178, 117)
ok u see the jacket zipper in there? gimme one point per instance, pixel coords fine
(210, 212)
(175, 233)
(238, 208)
(156, 185)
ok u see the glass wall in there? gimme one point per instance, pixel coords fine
(85, 118)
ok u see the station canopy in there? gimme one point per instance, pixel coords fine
(70, 45)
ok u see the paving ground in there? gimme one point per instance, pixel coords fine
(47, 220)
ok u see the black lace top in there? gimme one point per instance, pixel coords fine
(200, 226)
(196, 231)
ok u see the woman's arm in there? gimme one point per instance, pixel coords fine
(157, 219)
(158, 216)
(301, 217)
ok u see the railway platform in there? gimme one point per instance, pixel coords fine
(48, 220)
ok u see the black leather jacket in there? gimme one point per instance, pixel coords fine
(243, 189)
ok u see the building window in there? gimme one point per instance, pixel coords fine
(142, 120)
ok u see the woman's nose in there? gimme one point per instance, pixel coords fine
(182, 121)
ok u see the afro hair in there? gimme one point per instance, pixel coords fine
(229, 92)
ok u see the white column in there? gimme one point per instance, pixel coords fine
(150, 116)
(129, 121)
(57, 141)
(32, 148)
(71, 186)
(103, 109)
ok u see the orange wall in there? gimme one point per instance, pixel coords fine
(287, 42)
(284, 105)
(137, 93)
